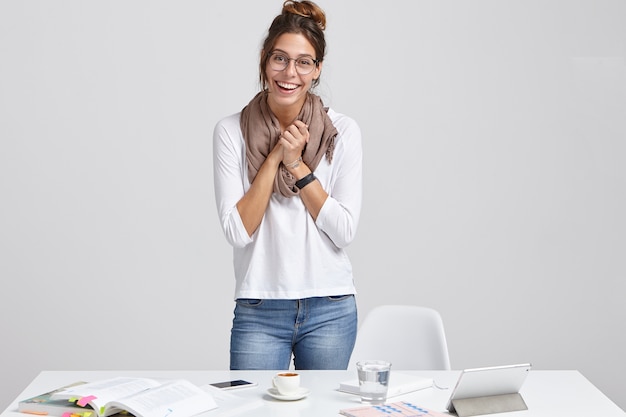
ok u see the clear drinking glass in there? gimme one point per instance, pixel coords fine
(373, 380)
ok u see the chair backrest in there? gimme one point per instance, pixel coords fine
(410, 337)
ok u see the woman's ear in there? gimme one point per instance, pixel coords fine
(318, 71)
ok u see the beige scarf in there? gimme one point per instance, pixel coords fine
(261, 131)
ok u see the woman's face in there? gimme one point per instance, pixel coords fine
(288, 88)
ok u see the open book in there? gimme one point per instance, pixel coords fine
(141, 397)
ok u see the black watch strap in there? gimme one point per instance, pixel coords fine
(304, 181)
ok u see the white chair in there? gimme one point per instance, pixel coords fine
(410, 337)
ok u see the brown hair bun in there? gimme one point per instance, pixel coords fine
(306, 9)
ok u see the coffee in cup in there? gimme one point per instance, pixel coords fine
(286, 383)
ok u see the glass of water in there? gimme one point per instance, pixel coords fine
(373, 380)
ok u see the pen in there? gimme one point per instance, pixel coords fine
(37, 413)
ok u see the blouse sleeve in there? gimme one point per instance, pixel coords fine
(228, 180)
(339, 216)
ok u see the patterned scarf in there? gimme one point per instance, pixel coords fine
(261, 131)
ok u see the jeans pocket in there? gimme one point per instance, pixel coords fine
(249, 302)
(339, 297)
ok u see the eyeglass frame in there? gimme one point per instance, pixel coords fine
(289, 59)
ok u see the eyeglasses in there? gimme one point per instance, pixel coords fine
(304, 64)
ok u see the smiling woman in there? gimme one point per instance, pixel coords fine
(288, 85)
(287, 174)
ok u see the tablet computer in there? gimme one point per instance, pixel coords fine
(490, 381)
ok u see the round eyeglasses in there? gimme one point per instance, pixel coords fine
(304, 64)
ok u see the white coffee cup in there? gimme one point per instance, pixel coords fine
(286, 383)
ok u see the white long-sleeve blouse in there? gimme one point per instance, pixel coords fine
(291, 256)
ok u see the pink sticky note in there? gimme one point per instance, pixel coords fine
(85, 400)
(66, 414)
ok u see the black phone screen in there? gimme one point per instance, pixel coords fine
(231, 384)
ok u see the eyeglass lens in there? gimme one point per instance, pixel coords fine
(304, 64)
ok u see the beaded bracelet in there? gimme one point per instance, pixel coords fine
(294, 164)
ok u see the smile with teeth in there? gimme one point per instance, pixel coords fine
(287, 86)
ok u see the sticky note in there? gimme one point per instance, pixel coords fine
(85, 400)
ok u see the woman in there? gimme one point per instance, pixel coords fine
(287, 176)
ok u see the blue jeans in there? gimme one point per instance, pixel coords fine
(319, 332)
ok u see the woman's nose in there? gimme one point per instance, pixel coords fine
(291, 67)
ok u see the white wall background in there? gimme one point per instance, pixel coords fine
(494, 139)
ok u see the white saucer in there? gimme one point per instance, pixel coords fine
(301, 393)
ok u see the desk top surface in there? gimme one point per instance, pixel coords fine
(546, 393)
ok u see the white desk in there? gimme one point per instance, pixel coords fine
(547, 393)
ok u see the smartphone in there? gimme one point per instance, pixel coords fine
(238, 383)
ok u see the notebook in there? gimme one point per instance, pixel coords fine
(399, 384)
(397, 409)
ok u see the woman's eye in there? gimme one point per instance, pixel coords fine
(280, 58)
